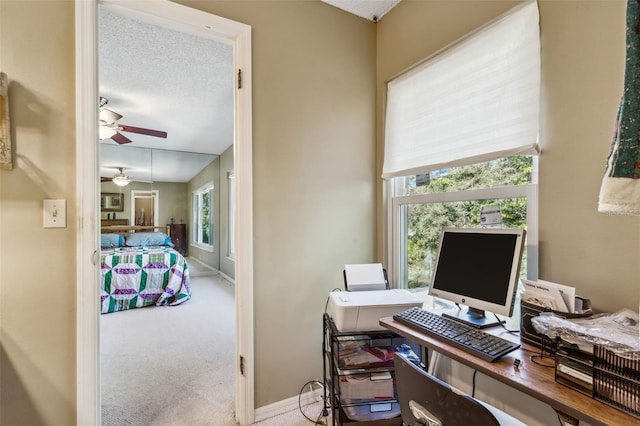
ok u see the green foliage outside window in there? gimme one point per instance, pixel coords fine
(206, 203)
(425, 221)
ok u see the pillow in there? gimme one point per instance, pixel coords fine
(143, 239)
(111, 240)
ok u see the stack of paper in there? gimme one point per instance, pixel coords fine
(365, 277)
(558, 297)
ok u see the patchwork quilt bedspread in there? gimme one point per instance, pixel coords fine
(134, 277)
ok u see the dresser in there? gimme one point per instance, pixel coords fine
(178, 234)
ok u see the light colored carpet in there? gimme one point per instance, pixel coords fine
(197, 269)
(171, 365)
(174, 365)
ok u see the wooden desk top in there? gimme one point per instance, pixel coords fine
(530, 378)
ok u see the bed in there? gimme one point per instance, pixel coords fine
(141, 269)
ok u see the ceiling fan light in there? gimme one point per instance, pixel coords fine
(106, 132)
(121, 179)
(108, 116)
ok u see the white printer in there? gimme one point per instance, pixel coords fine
(362, 310)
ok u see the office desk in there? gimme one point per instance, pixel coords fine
(531, 378)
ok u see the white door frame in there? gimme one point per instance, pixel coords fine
(141, 193)
(87, 194)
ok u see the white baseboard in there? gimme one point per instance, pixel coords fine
(213, 270)
(287, 405)
(227, 277)
(193, 259)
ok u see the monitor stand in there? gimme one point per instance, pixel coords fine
(473, 317)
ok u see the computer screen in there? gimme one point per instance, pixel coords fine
(478, 268)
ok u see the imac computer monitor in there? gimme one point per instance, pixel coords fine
(478, 268)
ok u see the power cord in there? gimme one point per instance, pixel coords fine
(503, 326)
(473, 384)
(539, 358)
(323, 413)
(326, 304)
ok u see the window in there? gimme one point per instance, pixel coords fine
(460, 197)
(232, 214)
(461, 139)
(203, 217)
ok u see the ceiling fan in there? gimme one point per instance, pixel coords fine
(119, 178)
(109, 129)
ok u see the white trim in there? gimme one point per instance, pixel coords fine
(196, 216)
(530, 192)
(209, 270)
(137, 193)
(87, 339)
(88, 308)
(243, 167)
(231, 213)
(227, 277)
(204, 247)
(285, 406)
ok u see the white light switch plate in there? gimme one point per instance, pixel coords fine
(54, 214)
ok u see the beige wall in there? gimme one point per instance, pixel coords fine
(173, 200)
(37, 265)
(314, 102)
(582, 71)
(314, 175)
(583, 68)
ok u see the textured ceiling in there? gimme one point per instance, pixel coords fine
(163, 79)
(372, 10)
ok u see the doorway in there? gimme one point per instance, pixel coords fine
(239, 35)
(144, 207)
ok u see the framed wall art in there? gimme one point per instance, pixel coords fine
(6, 160)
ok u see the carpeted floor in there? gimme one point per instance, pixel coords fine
(174, 365)
(171, 365)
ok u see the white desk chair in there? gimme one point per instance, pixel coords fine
(427, 400)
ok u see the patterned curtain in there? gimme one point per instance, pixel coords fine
(620, 190)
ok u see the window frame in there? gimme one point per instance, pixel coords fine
(231, 226)
(196, 216)
(396, 226)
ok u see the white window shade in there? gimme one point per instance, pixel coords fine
(475, 101)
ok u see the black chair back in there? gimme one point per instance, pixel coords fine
(436, 403)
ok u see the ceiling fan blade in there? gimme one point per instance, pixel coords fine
(105, 179)
(121, 139)
(140, 130)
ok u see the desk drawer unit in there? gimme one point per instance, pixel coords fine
(602, 374)
(616, 380)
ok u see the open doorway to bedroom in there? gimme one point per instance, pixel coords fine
(163, 264)
(89, 361)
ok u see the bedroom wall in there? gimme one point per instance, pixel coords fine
(37, 265)
(208, 174)
(216, 171)
(582, 71)
(172, 200)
